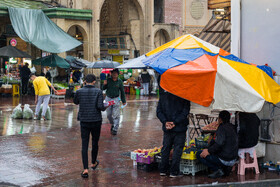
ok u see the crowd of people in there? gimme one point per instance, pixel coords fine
(172, 111)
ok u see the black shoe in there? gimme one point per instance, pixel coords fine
(84, 175)
(114, 132)
(97, 163)
(217, 174)
(176, 175)
(162, 173)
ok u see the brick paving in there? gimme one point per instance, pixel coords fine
(35, 153)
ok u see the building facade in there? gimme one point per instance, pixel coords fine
(195, 16)
(118, 30)
(109, 29)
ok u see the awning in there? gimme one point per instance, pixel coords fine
(135, 63)
(10, 51)
(217, 32)
(35, 27)
(74, 63)
(52, 61)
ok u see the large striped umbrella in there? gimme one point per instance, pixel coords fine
(205, 74)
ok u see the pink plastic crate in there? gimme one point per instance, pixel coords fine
(142, 159)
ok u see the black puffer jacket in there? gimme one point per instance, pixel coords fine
(146, 77)
(90, 101)
(248, 134)
(225, 145)
(25, 72)
(173, 109)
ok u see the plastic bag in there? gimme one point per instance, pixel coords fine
(17, 112)
(48, 114)
(33, 70)
(27, 112)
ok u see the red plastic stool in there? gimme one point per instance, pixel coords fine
(244, 163)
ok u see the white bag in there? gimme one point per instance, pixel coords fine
(27, 112)
(17, 112)
(33, 69)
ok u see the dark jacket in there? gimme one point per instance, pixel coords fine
(114, 89)
(248, 134)
(25, 72)
(90, 101)
(145, 76)
(173, 109)
(225, 145)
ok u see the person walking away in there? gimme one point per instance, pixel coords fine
(248, 132)
(25, 75)
(146, 78)
(114, 88)
(42, 94)
(222, 152)
(173, 113)
(90, 101)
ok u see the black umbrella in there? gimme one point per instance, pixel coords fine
(10, 51)
(104, 64)
(74, 63)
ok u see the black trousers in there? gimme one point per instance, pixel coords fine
(177, 140)
(211, 161)
(87, 128)
(24, 82)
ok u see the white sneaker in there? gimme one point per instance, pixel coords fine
(35, 117)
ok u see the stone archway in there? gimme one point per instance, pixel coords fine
(80, 34)
(161, 37)
(121, 28)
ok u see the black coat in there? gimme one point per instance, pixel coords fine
(173, 109)
(225, 145)
(146, 77)
(248, 134)
(90, 101)
(25, 72)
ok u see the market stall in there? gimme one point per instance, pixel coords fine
(209, 76)
(10, 81)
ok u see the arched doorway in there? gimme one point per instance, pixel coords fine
(121, 30)
(161, 37)
(79, 33)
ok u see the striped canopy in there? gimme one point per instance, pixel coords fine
(205, 74)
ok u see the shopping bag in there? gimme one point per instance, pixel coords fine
(33, 70)
(27, 112)
(17, 112)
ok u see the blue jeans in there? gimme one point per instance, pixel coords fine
(211, 161)
(146, 88)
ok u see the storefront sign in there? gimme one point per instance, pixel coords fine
(124, 52)
(113, 51)
(13, 42)
(118, 59)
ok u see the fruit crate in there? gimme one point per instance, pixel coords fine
(133, 155)
(191, 167)
(144, 160)
(189, 156)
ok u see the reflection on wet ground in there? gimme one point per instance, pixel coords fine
(49, 153)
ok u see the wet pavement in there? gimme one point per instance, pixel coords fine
(40, 153)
